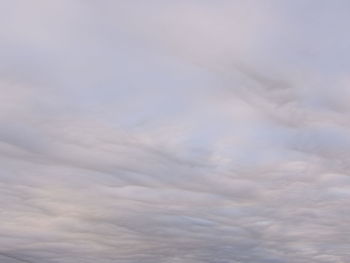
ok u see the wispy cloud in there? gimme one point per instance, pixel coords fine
(174, 131)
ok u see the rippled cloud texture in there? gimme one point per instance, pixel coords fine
(174, 131)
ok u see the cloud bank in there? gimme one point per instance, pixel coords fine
(174, 131)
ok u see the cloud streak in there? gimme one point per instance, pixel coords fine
(174, 131)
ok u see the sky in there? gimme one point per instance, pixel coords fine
(174, 131)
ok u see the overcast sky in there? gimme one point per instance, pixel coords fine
(174, 131)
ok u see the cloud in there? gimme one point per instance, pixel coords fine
(174, 131)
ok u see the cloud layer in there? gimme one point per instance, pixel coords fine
(174, 131)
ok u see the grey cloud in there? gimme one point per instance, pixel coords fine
(174, 131)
